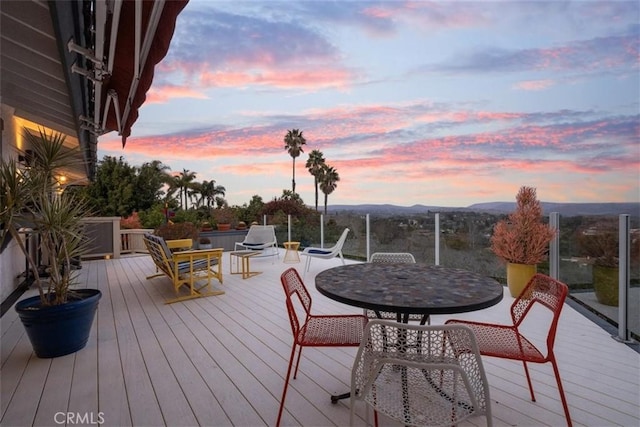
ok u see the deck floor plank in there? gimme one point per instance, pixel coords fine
(56, 394)
(159, 350)
(222, 360)
(25, 401)
(182, 362)
(113, 401)
(144, 406)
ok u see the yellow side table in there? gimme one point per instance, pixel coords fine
(242, 257)
(291, 255)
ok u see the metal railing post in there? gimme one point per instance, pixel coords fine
(322, 231)
(554, 246)
(624, 258)
(437, 239)
(368, 227)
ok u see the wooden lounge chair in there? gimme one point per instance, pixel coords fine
(186, 267)
(260, 238)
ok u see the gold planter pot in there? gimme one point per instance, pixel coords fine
(518, 275)
(605, 284)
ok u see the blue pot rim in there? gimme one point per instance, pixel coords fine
(33, 304)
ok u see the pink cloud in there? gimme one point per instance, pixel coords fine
(161, 94)
(534, 84)
(310, 78)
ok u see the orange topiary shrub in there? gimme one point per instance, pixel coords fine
(523, 238)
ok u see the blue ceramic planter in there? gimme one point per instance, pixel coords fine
(60, 329)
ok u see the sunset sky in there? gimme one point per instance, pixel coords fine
(435, 103)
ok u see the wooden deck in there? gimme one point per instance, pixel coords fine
(221, 361)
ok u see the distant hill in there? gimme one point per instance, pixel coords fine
(566, 209)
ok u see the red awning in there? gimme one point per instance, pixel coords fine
(124, 91)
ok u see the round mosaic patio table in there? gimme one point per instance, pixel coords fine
(409, 288)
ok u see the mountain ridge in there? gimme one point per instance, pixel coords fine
(567, 209)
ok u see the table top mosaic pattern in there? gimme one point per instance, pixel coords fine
(409, 288)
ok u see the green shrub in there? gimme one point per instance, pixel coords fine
(153, 217)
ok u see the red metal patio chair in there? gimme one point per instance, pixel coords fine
(506, 341)
(341, 330)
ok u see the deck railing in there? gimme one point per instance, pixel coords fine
(453, 239)
(131, 241)
(462, 240)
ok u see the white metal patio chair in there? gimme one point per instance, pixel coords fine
(325, 253)
(420, 375)
(260, 238)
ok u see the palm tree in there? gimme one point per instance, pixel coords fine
(209, 190)
(314, 166)
(294, 141)
(328, 182)
(195, 191)
(183, 182)
(172, 187)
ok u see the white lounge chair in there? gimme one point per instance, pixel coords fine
(259, 238)
(325, 253)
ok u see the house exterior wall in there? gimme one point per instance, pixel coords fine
(12, 261)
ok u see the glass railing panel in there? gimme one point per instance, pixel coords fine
(464, 242)
(589, 265)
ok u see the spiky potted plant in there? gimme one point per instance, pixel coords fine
(522, 240)
(58, 320)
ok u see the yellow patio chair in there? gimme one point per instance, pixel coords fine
(186, 267)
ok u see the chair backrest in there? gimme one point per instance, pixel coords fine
(392, 257)
(293, 285)
(340, 243)
(445, 380)
(547, 291)
(160, 252)
(260, 234)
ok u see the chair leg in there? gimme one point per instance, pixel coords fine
(366, 413)
(307, 264)
(561, 390)
(286, 384)
(526, 372)
(295, 374)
